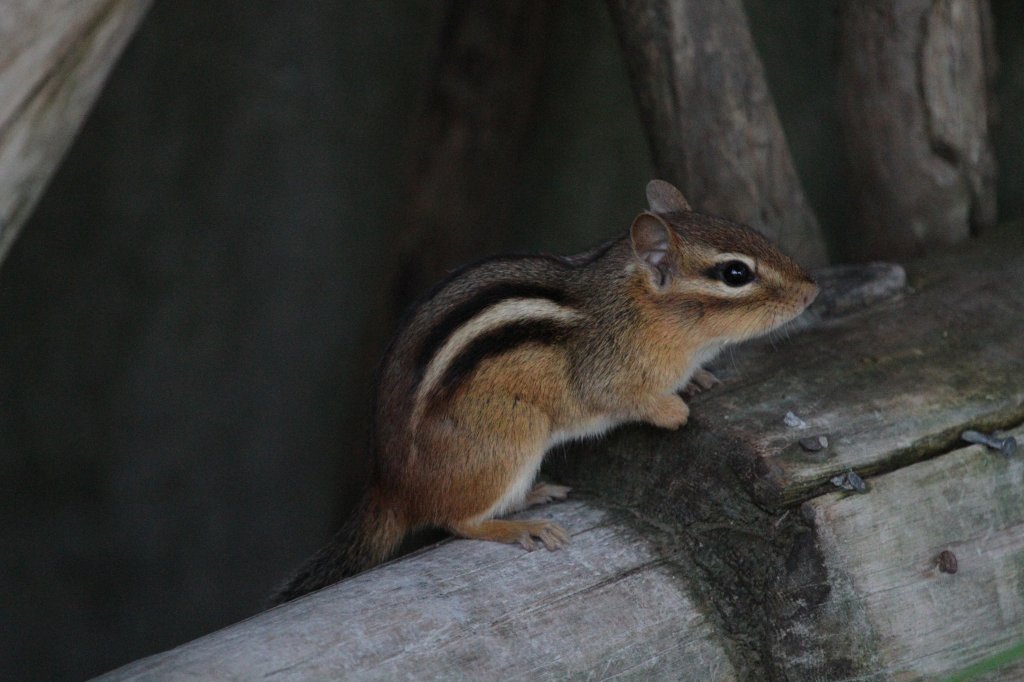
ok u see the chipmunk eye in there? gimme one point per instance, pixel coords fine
(735, 273)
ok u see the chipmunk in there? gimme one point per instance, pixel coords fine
(515, 354)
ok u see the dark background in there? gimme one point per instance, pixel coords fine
(183, 382)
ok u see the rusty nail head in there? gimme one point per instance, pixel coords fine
(946, 561)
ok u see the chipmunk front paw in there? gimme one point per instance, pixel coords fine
(667, 412)
(702, 380)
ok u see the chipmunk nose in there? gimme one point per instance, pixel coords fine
(810, 294)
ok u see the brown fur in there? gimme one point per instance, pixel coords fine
(634, 316)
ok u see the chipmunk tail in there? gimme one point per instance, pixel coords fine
(370, 537)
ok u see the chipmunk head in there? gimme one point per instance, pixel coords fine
(725, 281)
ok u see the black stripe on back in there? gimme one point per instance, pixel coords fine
(467, 310)
(501, 340)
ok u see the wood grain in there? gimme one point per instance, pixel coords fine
(607, 606)
(928, 622)
(54, 57)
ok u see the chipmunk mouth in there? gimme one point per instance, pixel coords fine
(783, 316)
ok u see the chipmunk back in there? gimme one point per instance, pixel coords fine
(514, 354)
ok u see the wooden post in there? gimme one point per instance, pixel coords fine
(913, 102)
(54, 58)
(710, 118)
(473, 123)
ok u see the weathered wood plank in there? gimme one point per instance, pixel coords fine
(606, 606)
(888, 385)
(54, 58)
(881, 550)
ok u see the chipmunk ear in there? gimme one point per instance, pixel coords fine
(655, 247)
(663, 197)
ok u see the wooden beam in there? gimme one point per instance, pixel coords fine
(606, 605)
(468, 134)
(932, 560)
(56, 55)
(717, 552)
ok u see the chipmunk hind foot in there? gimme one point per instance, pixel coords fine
(543, 493)
(702, 380)
(525, 532)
